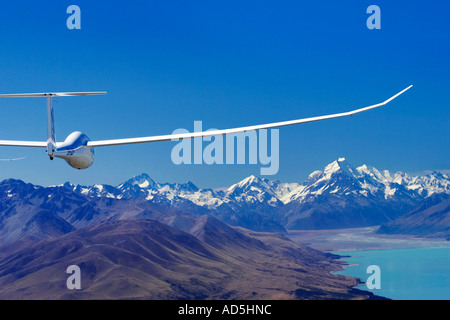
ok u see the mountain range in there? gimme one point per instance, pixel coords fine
(339, 196)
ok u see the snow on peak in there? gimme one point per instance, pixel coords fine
(339, 165)
(253, 189)
(371, 172)
(247, 182)
(99, 187)
(332, 167)
(338, 178)
(143, 181)
(313, 177)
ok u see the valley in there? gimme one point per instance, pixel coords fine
(366, 238)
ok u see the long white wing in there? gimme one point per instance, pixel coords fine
(15, 143)
(236, 130)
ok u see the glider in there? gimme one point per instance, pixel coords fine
(77, 149)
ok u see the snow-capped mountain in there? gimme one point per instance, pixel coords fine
(341, 178)
(339, 196)
(252, 190)
(342, 196)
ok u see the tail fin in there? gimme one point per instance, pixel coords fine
(51, 140)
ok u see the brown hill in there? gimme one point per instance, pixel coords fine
(145, 259)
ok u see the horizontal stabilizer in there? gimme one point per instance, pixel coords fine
(50, 94)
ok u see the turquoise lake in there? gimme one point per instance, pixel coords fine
(405, 274)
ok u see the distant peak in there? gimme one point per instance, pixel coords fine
(13, 181)
(339, 165)
(142, 176)
(189, 186)
(143, 180)
(249, 180)
(67, 184)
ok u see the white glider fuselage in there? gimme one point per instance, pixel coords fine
(75, 151)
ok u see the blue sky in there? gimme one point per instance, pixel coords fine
(166, 64)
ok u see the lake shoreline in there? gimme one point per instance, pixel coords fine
(428, 279)
(348, 244)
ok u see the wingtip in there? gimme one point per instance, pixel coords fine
(404, 90)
